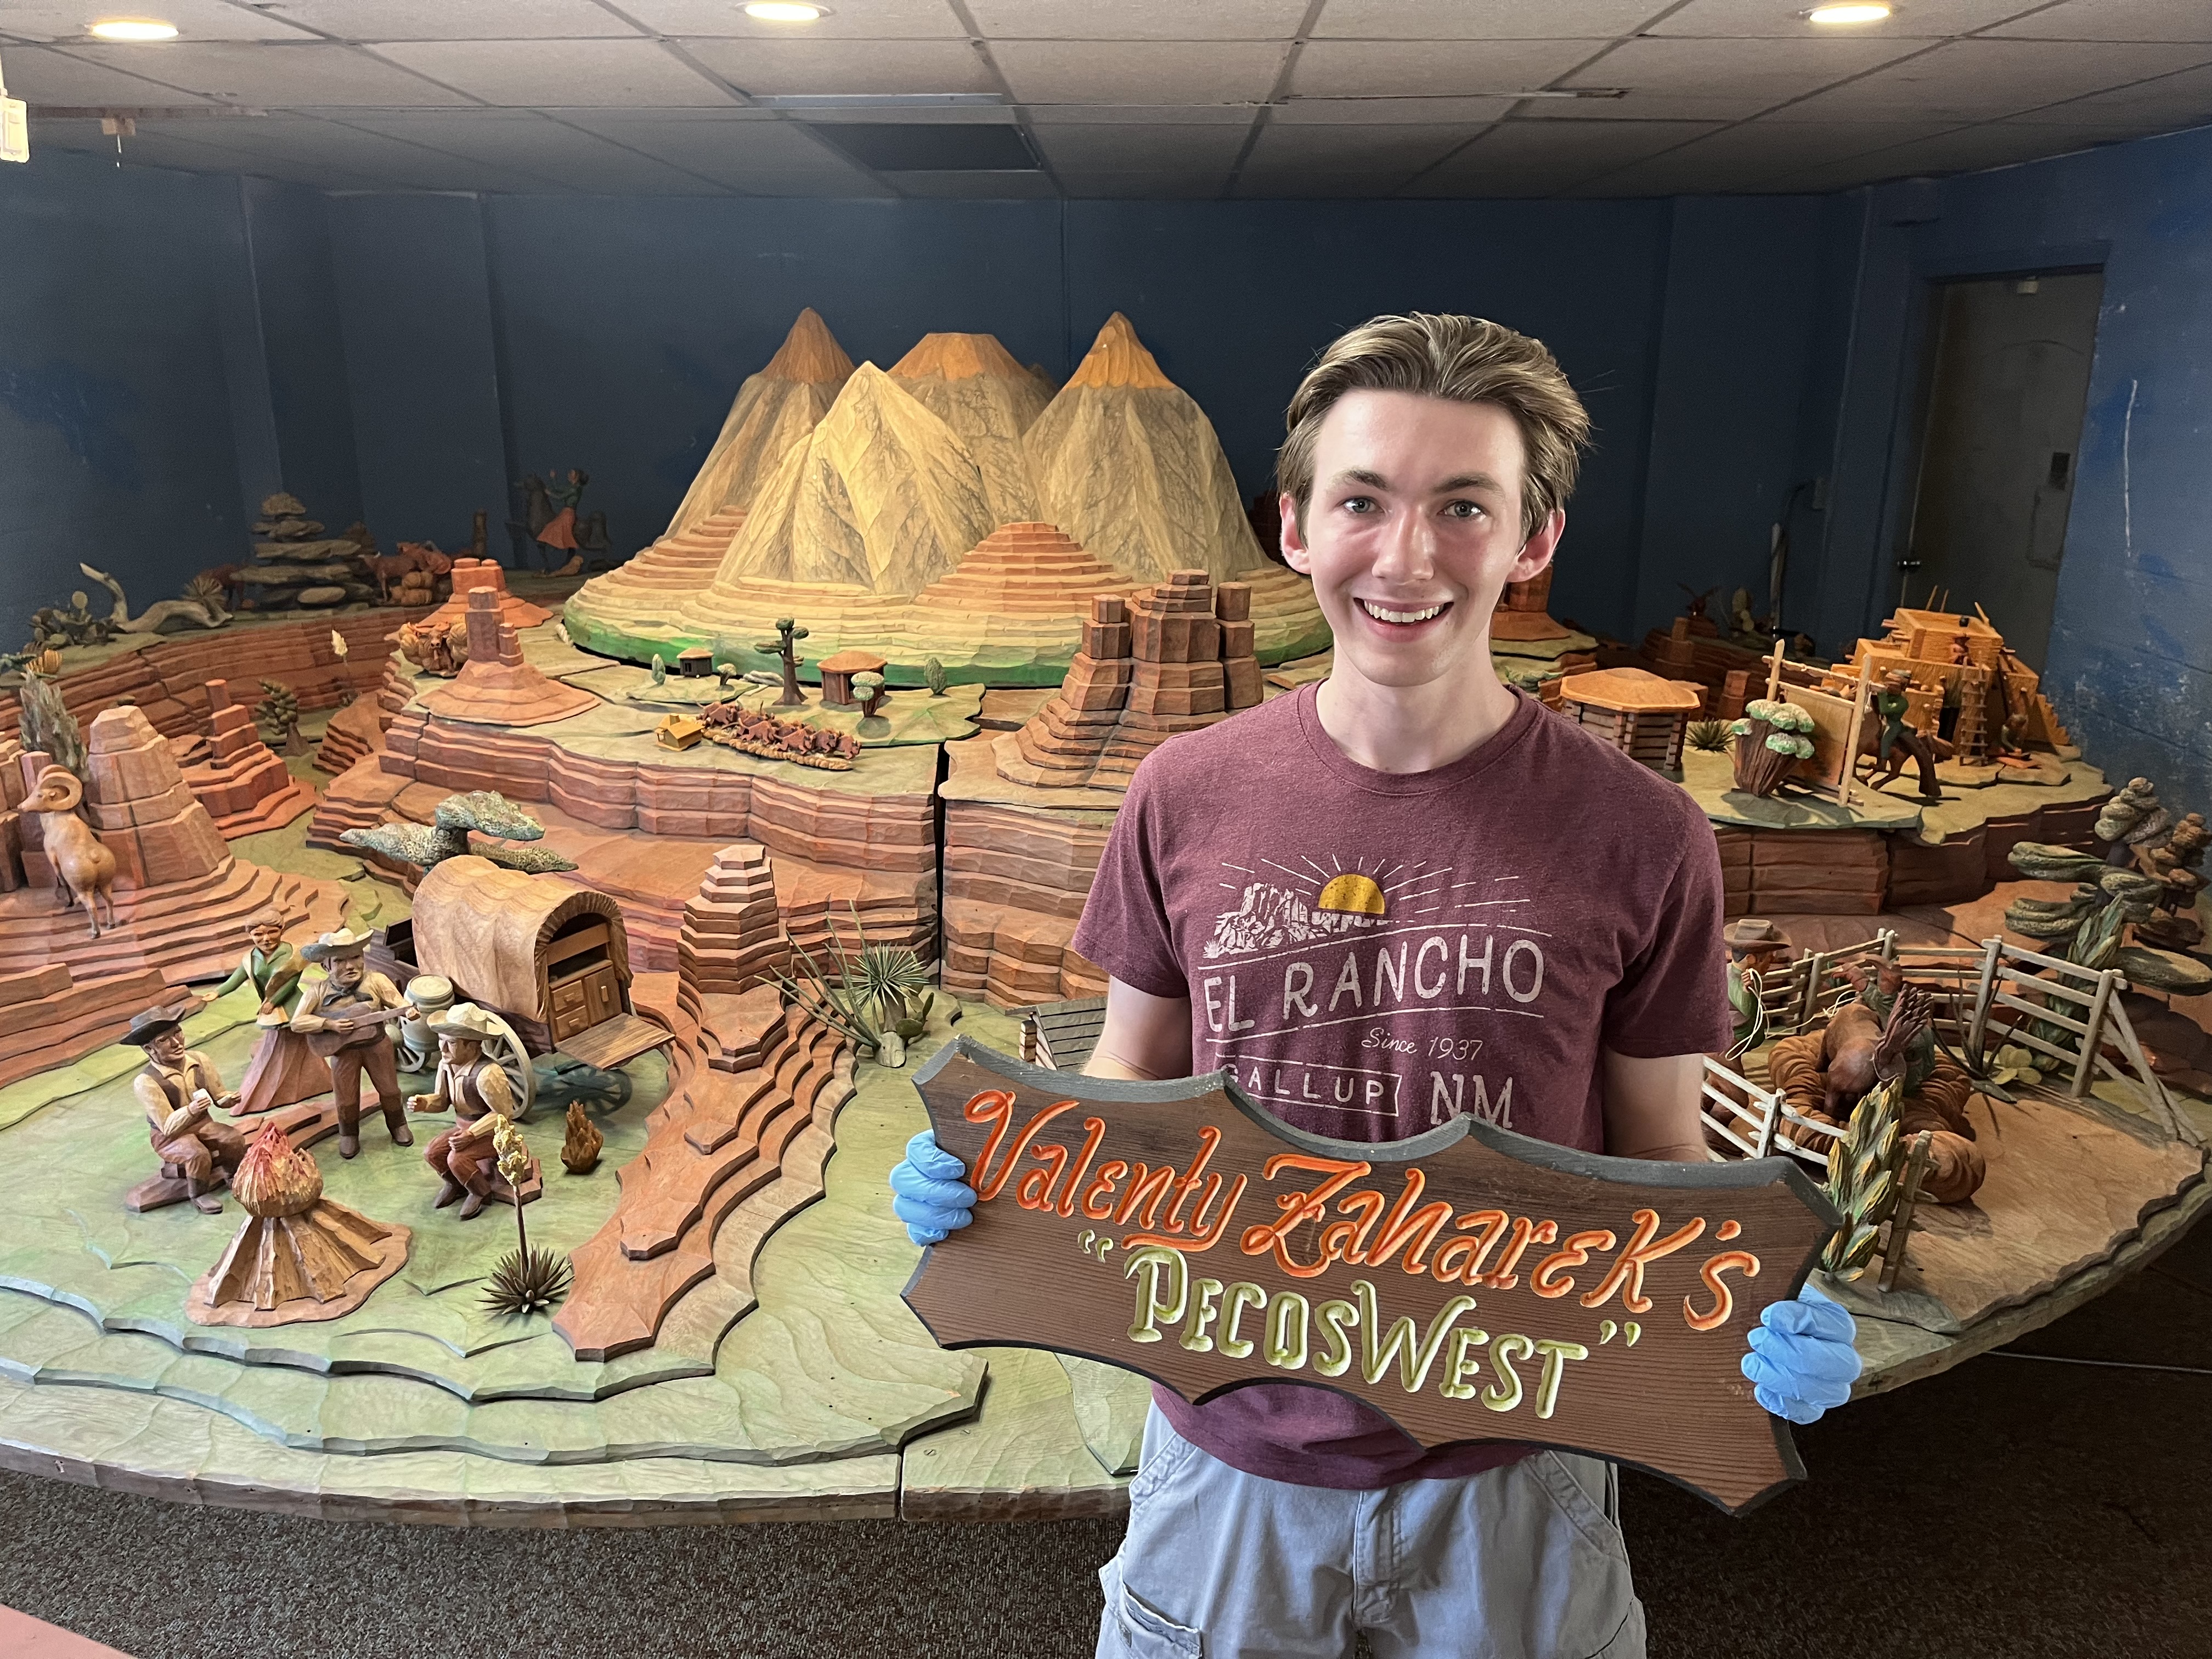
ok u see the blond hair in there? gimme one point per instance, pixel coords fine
(1463, 359)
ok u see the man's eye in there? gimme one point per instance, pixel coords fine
(1463, 509)
(1359, 504)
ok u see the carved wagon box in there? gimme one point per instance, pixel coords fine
(551, 956)
(1468, 1283)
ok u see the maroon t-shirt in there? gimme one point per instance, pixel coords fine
(1373, 953)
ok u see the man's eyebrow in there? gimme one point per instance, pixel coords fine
(1361, 475)
(1468, 481)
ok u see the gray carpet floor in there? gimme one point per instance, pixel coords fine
(2014, 1507)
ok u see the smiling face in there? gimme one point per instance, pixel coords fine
(266, 936)
(1414, 530)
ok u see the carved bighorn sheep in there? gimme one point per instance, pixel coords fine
(84, 870)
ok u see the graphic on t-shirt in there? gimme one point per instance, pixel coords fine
(1396, 968)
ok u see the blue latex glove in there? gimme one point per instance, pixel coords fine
(1802, 1360)
(929, 1191)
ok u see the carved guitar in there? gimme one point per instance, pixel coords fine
(328, 1043)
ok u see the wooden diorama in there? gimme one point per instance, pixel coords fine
(514, 833)
(1469, 1283)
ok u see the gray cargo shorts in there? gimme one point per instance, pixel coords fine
(1523, 1562)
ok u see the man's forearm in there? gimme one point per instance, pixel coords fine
(1651, 1107)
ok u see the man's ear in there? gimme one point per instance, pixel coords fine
(1536, 552)
(1293, 538)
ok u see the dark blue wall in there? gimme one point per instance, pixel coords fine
(2131, 656)
(414, 310)
(406, 357)
(116, 440)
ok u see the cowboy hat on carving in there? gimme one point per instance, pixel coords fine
(332, 947)
(465, 1019)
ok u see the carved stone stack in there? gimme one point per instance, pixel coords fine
(243, 783)
(1176, 659)
(732, 936)
(472, 576)
(139, 804)
(497, 687)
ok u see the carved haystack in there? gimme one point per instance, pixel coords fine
(580, 1144)
(300, 1257)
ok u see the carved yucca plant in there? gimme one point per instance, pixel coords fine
(1862, 1180)
(1709, 735)
(526, 1280)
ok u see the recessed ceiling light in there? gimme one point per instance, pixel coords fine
(1872, 12)
(784, 11)
(133, 29)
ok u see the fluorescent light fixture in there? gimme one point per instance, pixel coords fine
(1871, 12)
(783, 11)
(133, 29)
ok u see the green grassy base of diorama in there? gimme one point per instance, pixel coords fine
(1001, 665)
(792, 1383)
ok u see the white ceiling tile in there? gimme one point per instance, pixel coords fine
(1731, 74)
(276, 76)
(2101, 20)
(195, 20)
(1335, 147)
(40, 76)
(1373, 111)
(1118, 146)
(2165, 105)
(1458, 68)
(1523, 158)
(1232, 115)
(1139, 72)
(1912, 20)
(554, 74)
(975, 186)
(856, 185)
(857, 20)
(767, 68)
(728, 152)
(443, 20)
(1971, 148)
(1484, 20)
(1142, 186)
(1138, 20)
(1974, 80)
(368, 157)
(186, 156)
(526, 142)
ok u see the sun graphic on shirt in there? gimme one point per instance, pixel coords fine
(1352, 894)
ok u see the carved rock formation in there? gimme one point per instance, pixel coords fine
(733, 937)
(495, 686)
(243, 784)
(486, 576)
(1176, 659)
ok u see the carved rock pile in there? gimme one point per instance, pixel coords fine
(244, 783)
(732, 938)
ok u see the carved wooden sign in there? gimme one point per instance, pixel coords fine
(1471, 1284)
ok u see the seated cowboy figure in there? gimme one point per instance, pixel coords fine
(480, 1096)
(180, 1090)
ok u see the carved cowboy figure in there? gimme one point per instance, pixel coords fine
(1899, 742)
(179, 1088)
(480, 1096)
(343, 1016)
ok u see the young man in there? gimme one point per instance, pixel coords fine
(1405, 894)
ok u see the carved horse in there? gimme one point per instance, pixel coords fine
(84, 869)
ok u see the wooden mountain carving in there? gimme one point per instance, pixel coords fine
(1471, 1284)
(974, 385)
(774, 410)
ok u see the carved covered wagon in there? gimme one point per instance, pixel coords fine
(551, 956)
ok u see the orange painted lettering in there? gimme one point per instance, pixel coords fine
(1572, 1254)
(1094, 1131)
(1300, 1207)
(1102, 1186)
(1415, 1230)
(1469, 1250)
(1627, 1269)
(1501, 1277)
(1723, 1302)
(996, 1108)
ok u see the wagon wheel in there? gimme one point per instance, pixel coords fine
(506, 1051)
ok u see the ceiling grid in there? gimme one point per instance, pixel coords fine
(1143, 99)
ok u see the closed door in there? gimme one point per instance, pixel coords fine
(2011, 374)
(602, 993)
